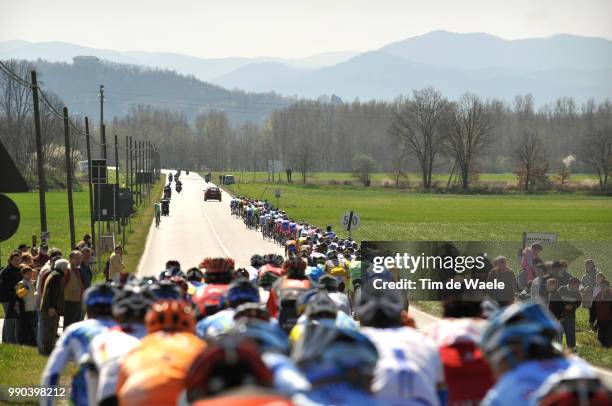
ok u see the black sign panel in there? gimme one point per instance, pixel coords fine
(104, 201)
(9, 218)
(99, 173)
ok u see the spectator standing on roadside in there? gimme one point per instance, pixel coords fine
(85, 242)
(571, 301)
(603, 314)
(536, 283)
(86, 271)
(115, 264)
(43, 274)
(73, 290)
(555, 303)
(41, 258)
(26, 291)
(52, 305)
(502, 273)
(529, 255)
(9, 277)
(587, 282)
(599, 278)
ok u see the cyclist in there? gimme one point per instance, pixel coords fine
(572, 387)
(108, 348)
(519, 344)
(466, 371)
(409, 370)
(74, 343)
(332, 285)
(157, 209)
(154, 372)
(231, 372)
(285, 291)
(257, 262)
(338, 363)
(239, 291)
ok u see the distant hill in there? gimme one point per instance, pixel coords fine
(202, 68)
(563, 65)
(78, 85)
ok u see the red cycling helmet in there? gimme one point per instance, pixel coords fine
(229, 362)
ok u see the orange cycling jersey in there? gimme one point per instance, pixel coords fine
(154, 372)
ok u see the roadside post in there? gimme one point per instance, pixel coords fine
(350, 221)
(277, 194)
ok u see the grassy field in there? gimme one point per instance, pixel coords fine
(414, 179)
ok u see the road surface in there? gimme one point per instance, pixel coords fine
(196, 229)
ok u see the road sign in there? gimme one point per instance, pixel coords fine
(9, 218)
(350, 221)
(277, 193)
(545, 238)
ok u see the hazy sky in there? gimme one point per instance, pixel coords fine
(287, 28)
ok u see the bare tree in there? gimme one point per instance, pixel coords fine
(530, 158)
(468, 133)
(416, 126)
(363, 166)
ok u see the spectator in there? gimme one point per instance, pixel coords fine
(599, 278)
(9, 277)
(26, 259)
(603, 314)
(570, 294)
(115, 264)
(73, 290)
(41, 259)
(540, 272)
(86, 271)
(529, 255)
(555, 302)
(26, 291)
(52, 305)
(502, 273)
(23, 248)
(559, 273)
(587, 283)
(43, 274)
(85, 242)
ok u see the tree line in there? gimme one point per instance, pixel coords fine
(425, 133)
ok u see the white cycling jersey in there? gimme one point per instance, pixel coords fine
(408, 370)
(451, 331)
(106, 352)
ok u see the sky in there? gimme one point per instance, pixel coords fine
(287, 28)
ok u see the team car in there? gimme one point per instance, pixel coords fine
(212, 193)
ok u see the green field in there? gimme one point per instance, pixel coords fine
(387, 214)
(414, 179)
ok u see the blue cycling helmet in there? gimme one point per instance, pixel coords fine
(268, 336)
(99, 295)
(321, 353)
(241, 291)
(524, 324)
(165, 290)
(314, 273)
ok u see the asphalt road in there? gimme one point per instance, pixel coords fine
(197, 229)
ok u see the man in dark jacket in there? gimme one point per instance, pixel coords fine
(555, 303)
(86, 271)
(603, 314)
(570, 294)
(52, 305)
(9, 277)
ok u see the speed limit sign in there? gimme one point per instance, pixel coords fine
(350, 221)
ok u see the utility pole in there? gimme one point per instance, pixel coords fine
(89, 183)
(138, 185)
(69, 178)
(39, 161)
(103, 140)
(102, 134)
(116, 188)
(149, 171)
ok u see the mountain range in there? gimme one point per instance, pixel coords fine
(552, 67)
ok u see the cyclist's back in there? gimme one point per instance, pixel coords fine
(153, 373)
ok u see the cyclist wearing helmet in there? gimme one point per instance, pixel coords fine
(231, 372)
(466, 372)
(240, 291)
(257, 262)
(165, 290)
(338, 363)
(274, 349)
(409, 368)
(285, 291)
(519, 344)
(154, 372)
(332, 285)
(74, 343)
(108, 348)
(572, 387)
